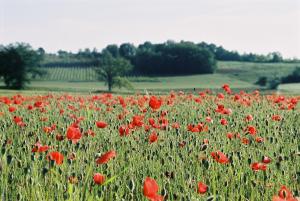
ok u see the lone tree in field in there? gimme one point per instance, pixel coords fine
(17, 63)
(112, 69)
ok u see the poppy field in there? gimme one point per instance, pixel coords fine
(176, 146)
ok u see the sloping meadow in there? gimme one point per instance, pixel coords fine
(201, 146)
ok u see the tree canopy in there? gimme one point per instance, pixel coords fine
(112, 70)
(172, 58)
(17, 63)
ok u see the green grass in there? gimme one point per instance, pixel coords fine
(245, 71)
(162, 83)
(239, 75)
(250, 72)
(292, 88)
(30, 176)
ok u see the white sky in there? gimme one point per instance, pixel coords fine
(258, 26)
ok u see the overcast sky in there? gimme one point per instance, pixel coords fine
(259, 26)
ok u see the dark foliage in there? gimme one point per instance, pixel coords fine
(262, 81)
(172, 58)
(292, 78)
(17, 63)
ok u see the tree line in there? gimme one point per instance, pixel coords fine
(148, 50)
(20, 62)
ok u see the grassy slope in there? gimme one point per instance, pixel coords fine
(250, 72)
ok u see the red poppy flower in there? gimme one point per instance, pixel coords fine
(276, 117)
(101, 124)
(99, 178)
(251, 130)
(220, 157)
(137, 121)
(245, 141)
(122, 101)
(153, 137)
(176, 125)
(56, 156)
(284, 194)
(155, 103)
(208, 120)
(123, 130)
(38, 104)
(220, 108)
(266, 160)
(17, 119)
(258, 166)
(263, 167)
(90, 132)
(223, 122)
(150, 190)
(106, 157)
(40, 148)
(59, 137)
(230, 135)
(202, 188)
(73, 133)
(151, 121)
(12, 109)
(220, 96)
(259, 139)
(255, 166)
(226, 88)
(47, 129)
(249, 117)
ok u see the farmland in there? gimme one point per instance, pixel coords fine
(201, 146)
(240, 75)
(236, 70)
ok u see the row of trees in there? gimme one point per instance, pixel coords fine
(19, 62)
(222, 54)
(169, 58)
(153, 51)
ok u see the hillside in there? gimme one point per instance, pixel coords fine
(240, 75)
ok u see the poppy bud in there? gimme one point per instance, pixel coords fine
(203, 147)
(9, 159)
(44, 171)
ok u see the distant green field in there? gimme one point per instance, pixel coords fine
(240, 75)
(245, 71)
(163, 84)
(250, 72)
(69, 74)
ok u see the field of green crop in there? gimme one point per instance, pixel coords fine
(200, 146)
(245, 71)
(76, 74)
(250, 72)
(240, 75)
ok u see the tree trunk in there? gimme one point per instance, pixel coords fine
(109, 86)
(109, 83)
